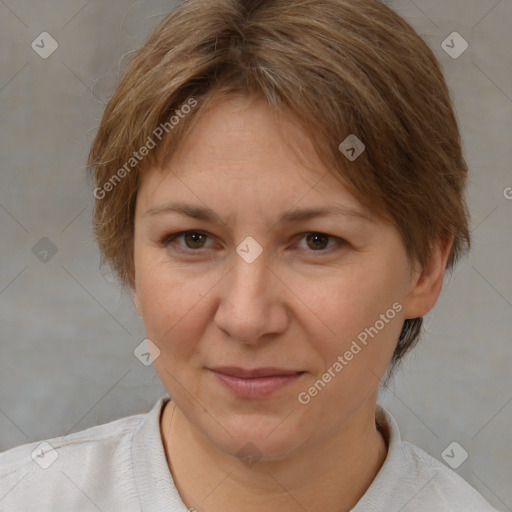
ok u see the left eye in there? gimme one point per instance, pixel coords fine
(194, 240)
(317, 241)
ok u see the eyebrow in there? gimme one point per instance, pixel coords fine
(205, 214)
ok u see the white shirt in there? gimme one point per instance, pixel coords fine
(121, 466)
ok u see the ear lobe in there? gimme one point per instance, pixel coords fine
(136, 302)
(427, 283)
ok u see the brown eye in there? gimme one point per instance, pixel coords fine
(194, 239)
(317, 241)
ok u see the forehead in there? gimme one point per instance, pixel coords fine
(241, 148)
(238, 139)
(240, 134)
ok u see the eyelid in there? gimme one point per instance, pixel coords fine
(166, 242)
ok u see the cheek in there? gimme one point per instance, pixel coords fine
(356, 348)
(171, 303)
(362, 304)
(352, 296)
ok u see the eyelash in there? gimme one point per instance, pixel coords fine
(167, 241)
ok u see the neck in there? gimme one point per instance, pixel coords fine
(332, 475)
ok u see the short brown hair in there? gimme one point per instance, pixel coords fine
(340, 67)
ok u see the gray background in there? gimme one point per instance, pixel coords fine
(67, 333)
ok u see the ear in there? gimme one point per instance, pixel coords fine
(427, 282)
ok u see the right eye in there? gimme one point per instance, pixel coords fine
(194, 240)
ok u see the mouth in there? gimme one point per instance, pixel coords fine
(255, 383)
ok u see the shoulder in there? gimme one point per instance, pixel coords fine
(91, 442)
(441, 485)
(93, 437)
(411, 480)
(74, 469)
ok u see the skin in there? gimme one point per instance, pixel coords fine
(296, 306)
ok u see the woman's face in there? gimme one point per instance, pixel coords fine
(320, 298)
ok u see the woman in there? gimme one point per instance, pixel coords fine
(241, 136)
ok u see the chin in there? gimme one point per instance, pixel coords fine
(264, 438)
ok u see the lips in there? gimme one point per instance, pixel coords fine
(242, 373)
(255, 383)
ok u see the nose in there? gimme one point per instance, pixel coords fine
(252, 304)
